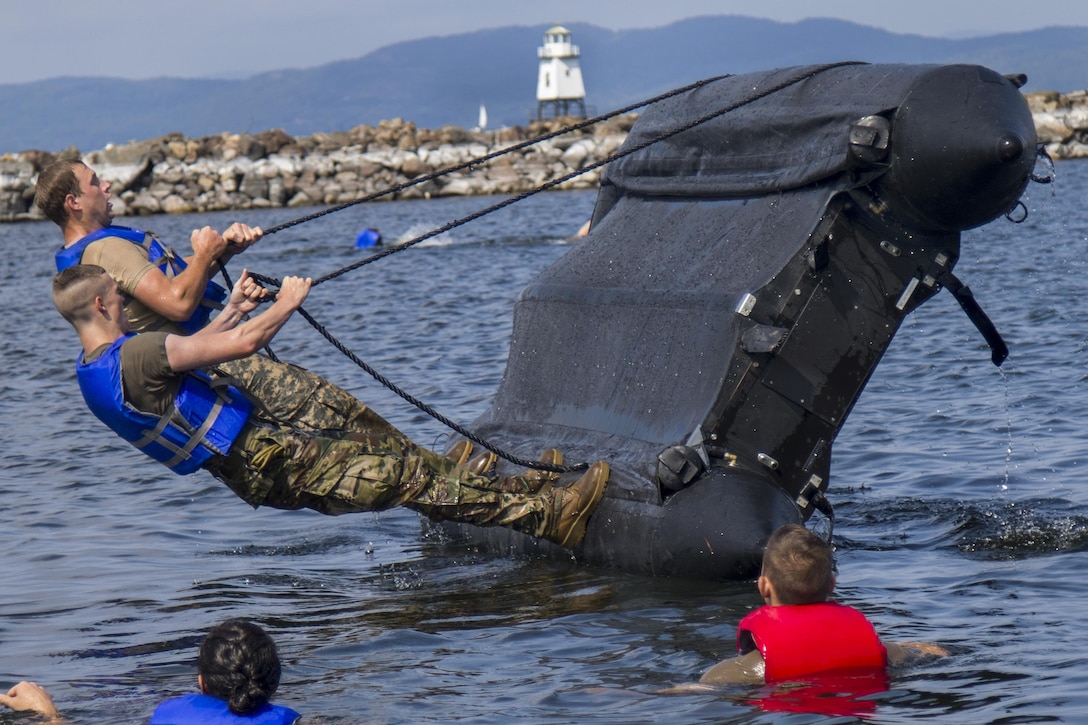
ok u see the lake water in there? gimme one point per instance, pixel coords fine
(960, 492)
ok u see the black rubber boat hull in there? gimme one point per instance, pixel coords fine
(739, 283)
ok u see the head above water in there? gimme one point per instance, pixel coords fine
(55, 182)
(238, 663)
(798, 567)
(68, 191)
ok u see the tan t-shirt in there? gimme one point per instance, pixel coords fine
(127, 264)
(147, 382)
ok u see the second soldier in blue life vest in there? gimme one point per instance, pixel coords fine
(152, 390)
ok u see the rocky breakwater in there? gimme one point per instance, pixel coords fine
(1061, 121)
(177, 175)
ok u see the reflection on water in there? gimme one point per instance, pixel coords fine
(959, 500)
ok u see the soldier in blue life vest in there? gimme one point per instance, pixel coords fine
(152, 389)
(164, 291)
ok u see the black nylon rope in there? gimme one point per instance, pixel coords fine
(527, 463)
(507, 202)
(574, 174)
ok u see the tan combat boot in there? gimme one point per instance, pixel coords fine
(531, 482)
(541, 481)
(480, 464)
(459, 452)
(574, 504)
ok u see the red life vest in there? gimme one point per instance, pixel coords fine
(801, 640)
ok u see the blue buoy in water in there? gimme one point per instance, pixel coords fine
(368, 238)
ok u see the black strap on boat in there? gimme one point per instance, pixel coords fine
(823, 505)
(998, 349)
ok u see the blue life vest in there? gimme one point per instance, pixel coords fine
(204, 421)
(368, 238)
(208, 710)
(164, 257)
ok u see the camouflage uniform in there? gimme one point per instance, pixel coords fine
(311, 444)
(335, 474)
(296, 397)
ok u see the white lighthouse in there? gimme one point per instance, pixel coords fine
(559, 88)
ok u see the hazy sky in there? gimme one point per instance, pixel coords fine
(205, 38)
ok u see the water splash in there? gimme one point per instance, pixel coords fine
(1023, 530)
(1008, 430)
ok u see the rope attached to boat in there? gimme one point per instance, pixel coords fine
(538, 465)
(474, 162)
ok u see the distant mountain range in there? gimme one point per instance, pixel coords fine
(443, 80)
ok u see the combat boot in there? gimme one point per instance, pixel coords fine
(574, 504)
(540, 481)
(480, 464)
(459, 452)
(532, 481)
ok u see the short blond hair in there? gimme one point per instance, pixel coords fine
(800, 565)
(75, 288)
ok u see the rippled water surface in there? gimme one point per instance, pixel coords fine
(959, 488)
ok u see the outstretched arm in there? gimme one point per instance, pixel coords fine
(900, 652)
(746, 669)
(29, 696)
(211, 348)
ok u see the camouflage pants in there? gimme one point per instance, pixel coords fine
(299, 398)
(288, 469)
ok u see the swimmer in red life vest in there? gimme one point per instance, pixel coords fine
(800, 633)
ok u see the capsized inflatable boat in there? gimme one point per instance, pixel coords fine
(739, 284)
